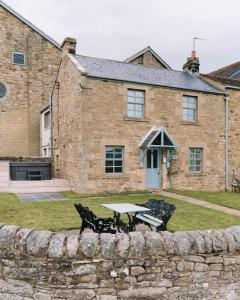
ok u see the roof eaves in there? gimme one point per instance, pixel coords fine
(141, 52)
(218, 92)
(28, 23)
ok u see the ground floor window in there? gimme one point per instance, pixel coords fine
(195, 160)
(114, 159)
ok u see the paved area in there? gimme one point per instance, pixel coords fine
(36, 197)
(202, 203)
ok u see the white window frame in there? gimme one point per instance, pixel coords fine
(189, 109)
(47, 113)
(22, 53)
(114, 159)
(133, 100)
(192, 157)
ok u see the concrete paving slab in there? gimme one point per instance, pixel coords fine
(36, 197)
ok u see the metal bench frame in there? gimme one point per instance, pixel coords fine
(90, 220)
(159, 215)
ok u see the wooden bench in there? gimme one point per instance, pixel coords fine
(158, 216)
(90, 220)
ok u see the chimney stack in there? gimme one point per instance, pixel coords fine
(192, 64)
(69, 46)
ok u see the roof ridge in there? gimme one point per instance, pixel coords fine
(29, 24)
(131, 64)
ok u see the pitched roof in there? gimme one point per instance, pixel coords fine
(230, 71)
(223, 80)
(29, 24)
(119, 71)
(148, 49)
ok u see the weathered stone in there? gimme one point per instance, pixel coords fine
(122, 248)
(7, 235)
(37, 242)
(108, 244)
(219, 242)
(89, 244)
(154, 244)
(42, 296)
(231, 242)
(85, 269)
(137, 244)
(21, 238)
(198, 240)
(16, 287)
(199, 267)
(72, 245)
(56, 246)
(214, 260)
(135, 271)
(145, 293)
(183, 266)
(184, 243)
(168, 242)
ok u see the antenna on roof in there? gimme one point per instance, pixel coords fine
(194, 42)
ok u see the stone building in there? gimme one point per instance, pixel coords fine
(28, 67)
(137, 124)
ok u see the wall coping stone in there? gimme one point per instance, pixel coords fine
(103, 247)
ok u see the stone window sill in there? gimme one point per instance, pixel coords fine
(114, 176)
(190, 123)
(196, 174)
(135, 119)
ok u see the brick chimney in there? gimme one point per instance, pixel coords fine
(192, 64)
(69, 46)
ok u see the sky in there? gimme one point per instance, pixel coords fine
(117, 29)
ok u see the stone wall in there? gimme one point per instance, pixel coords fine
(151, 266)
(91, 114)
(28, 86)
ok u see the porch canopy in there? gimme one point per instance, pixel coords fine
(156, 138)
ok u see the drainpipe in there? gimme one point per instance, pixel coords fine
(226, 100)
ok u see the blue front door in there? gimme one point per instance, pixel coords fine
(153, 179)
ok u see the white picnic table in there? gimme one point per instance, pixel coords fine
(123, 208)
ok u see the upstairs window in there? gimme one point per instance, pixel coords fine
(136, 103)
(113, 160)
(189, 109)
(47, 120)
(195, 160)
(18, 58)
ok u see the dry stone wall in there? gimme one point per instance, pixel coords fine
(182, 265)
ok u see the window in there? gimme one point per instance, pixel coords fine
(47, 120)
(136, 103)
(18, 58)
(189, 109)
(195, 160)
(3, 91)
(113, 160)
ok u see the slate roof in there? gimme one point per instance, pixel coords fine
(148, 49)
(29, 24)
(230, 71)
(127, 72)
(224, 81)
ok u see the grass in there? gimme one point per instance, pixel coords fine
(228, 199)
(61, 215)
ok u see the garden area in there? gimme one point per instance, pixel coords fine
(62, 215)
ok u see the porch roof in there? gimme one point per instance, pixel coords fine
(157, 137)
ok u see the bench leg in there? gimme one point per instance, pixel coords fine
(82, 227)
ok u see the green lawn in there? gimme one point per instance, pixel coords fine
(61, 215)
(227, 199)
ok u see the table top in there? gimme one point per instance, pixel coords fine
(123, 208)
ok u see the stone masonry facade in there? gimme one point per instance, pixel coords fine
(43, 265)
(90, 114)
(28, 86)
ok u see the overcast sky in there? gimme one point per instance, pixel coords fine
(116, 29)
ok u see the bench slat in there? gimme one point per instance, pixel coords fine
(153, 218)
(147, 220)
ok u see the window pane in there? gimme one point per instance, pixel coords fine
(136, 103)
(114, 160)
(118, 170)
(189, 108)
(195, 159)
(109, 170)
